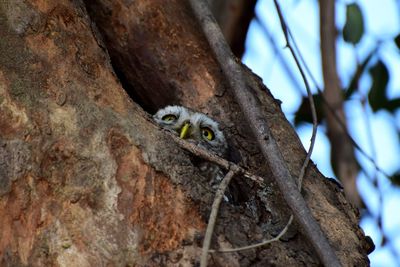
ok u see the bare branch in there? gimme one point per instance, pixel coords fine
(213, 216)
(278, 52)
(233, 169)
(342, 152)
(252, 111)
(286, 32)
(205, 154)
(263, 243)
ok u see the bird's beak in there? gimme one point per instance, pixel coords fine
(185, 130)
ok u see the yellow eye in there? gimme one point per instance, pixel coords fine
(207, 133)
(169, 117)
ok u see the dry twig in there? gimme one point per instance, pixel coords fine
(263, 243)
(309, 93)
(205, 154)
(213, 216)
(234, 169)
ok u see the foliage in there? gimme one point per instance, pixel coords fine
(371, 65)
(354, 28)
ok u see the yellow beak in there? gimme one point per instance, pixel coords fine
(185, 130)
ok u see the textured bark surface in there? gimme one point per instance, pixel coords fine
(87, 179)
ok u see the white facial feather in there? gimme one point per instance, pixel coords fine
(198, 122)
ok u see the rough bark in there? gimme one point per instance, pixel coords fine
(87, 179)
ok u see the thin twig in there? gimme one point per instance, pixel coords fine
(285, 30)
(201, 152)
(354, 143)
(333, 112)
(235, 169)
(205, 154)
(252, 111)
(314, 80)
(213, 216)
(263, 243)
(371, 158)
(278, 52)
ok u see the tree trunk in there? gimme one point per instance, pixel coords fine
(86, 177)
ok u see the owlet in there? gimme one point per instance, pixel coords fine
(197, 127)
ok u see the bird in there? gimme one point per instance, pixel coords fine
(198, 128)
(193, 126)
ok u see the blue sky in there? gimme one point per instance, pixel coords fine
(382, 22)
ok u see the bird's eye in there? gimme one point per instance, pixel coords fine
(169, 117)
(207, 133)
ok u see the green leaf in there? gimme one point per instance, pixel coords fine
(397, 40)
(377, 94)
(303, 114)
(395, 178)
(354, 27)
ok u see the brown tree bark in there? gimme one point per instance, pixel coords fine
(86, 177)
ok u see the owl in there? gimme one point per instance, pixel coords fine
(194, 126)
(199, 128)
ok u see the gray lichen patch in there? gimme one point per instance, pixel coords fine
(15, 161)
(64, 121)
(20, 16)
